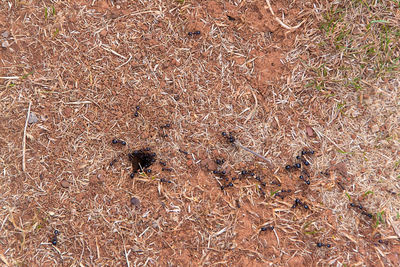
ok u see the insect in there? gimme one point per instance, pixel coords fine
(184, 152)
(305, 152)
(116, 141)
(340, 185)
(113, 161)
(266, 228)
(321, 245)
(230, 138)
(276, 183)
(296, 202)
(162, 180)
(230, 18)
(168, 125)
(237, 203)
(369, 215)
(54, 239)
(219, 161)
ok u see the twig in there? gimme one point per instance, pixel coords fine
(126, 254)
(10, 78)
(78, 103)
(254, 109)
(3, 258)
(129, 59)
(256, 154)
(24, 138)
(112, 51)
(276, 235)
(280, 22)
(98, 250)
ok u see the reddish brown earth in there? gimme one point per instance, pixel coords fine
(85, 69)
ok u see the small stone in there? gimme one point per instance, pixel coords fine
(100, 177)
(64, 183)
(135, 202)
(103, 32)
(310, 131)
(5, 34)
(32, 118)
(5, 44)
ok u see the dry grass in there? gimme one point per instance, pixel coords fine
(85, 67)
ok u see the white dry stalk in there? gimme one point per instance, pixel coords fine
(269, 163)
(24, 137)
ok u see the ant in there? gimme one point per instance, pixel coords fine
(162, 180)
(116, 141)
(230, 138)
(113, 162)
(266, 228)
(321, 245)
(136, 114)
(184, 152)
(168, 125)
(54, 239)
(194, 33)
(219, 161)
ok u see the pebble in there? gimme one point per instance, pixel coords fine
(310, 131)
(135, 202)
(64, 183)
(5, 44)
(32, 118)
(5, 34)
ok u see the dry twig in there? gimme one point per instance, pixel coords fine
(24, 137)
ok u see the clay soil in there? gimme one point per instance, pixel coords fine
(96, 71)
